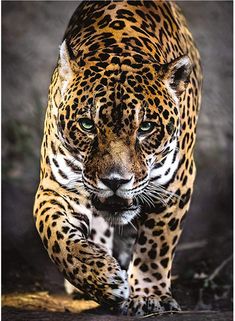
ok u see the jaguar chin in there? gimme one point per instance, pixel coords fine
(116, 210)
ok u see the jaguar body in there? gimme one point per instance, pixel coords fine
(117, 149)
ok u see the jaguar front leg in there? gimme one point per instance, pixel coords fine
(101, 234)
(63, 224)
(149, 272)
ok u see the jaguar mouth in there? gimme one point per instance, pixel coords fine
(116, 210)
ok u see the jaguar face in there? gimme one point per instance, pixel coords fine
(124, 126)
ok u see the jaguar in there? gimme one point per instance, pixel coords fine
(118, 150)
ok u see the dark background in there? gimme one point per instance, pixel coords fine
(31, 35)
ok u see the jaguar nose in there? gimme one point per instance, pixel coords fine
(114, 183)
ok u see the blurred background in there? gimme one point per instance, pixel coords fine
(31, 35)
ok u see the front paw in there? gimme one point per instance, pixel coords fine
(112, 285)
(144, 305)
(97, 274)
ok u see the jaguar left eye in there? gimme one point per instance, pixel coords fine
(86, 124)
(146, 127)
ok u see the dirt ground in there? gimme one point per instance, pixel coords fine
(32, 287)
(9, 314)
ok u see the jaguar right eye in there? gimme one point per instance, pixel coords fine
(86, 124)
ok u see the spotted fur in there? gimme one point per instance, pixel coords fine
(118, 146)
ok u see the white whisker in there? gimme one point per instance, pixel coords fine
(133, 226)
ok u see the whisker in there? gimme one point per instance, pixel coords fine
(133, 226)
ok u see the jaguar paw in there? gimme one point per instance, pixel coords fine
(143, 305)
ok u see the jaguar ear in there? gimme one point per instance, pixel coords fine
(177, 73)
(66, 64)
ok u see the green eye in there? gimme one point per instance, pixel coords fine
(86, 124)
(146, 127)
